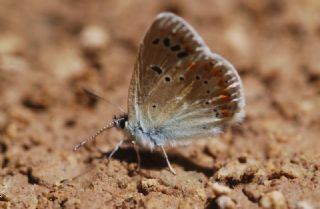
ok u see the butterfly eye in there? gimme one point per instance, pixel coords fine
(154, 106)
(181, 78)
(197, 77)
(208, 92)
(205, 82)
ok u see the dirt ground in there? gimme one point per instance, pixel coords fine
(51, 50)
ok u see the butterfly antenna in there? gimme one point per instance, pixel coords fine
(93, 137)
(94, 94)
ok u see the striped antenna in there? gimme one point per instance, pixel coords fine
(93, 137)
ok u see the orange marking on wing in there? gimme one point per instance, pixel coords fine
(224, 98)
(192, 66)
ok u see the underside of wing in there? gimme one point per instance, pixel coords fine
(181, 90)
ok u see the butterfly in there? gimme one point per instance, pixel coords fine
(179, 91)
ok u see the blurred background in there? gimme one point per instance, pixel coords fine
(51, 50)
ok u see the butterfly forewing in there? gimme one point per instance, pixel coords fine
(168, 40)
(179, 87)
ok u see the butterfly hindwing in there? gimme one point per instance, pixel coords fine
(209, 97)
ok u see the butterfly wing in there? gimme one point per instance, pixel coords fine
(179, 89)
(157, 53)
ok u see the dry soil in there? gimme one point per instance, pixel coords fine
(51, 50)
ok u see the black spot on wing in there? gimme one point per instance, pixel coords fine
(175, 48)
(166, 42)
(181, 55)
(156, 41)
(156, 69)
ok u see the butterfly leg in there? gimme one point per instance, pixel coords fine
(167, 159)
(136, 149)
(115, 149)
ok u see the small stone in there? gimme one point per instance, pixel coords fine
(238, 39)
(265, 202)
(220, 189)
(149, 183)
(237, 172)
(225, 202)
(94, 37)
(252, 192)
(273, 200)
(304, 205)
(13, 63)
(292, 170)
(12, 130)
(11, 44)
(66, 63)
(168, 179)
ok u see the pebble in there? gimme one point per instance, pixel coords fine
(13, 63)
(11, 44)
(304, 205)
(225, 202)
(220, 189)
(149, 183)
(94, 37)
(293, 171)
(238, 39)
(236, 171)
(67, 63)
(273, 200)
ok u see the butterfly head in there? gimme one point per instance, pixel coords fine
(120, 121)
